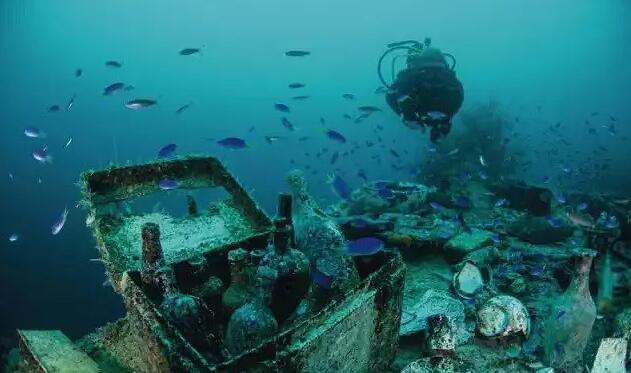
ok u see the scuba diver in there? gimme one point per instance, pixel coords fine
(426, 93)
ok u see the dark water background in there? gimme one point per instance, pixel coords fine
(568, 57)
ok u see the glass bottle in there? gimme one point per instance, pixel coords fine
(254, 321)
(570, 320)
(193, 319)
(292, 266)
(321, 240)
(151, 274)
(240, 289)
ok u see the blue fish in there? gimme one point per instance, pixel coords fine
(232, 143)
(554, 221)
(538, 270)
(107, 91)
(167, 184)
(336, 136)
(483, 175)
(500, 202)
(282, 108)
(166, 150)
(365, 246)
(612, 222)
(320, 278)
(495, 237)
(436, 206)
(582, 206)
(287, 124)
(340, 187)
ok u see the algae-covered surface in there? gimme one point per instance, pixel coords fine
(56, 353)
(181, 237)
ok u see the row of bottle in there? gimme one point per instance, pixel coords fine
(302, 269)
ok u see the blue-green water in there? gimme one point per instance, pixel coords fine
(542, 61)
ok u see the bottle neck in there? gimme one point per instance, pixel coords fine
(238, 273)
(580, 278)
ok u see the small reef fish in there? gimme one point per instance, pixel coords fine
(34, 133)
(113, 64)
(41, 155)
(579, 220)
(287, 124)
(70, 103)
(78, 73)
(68, 142)
(554, 221)
(282, 108)
(167, 150)
(59, 223)
(232, 143)
(296, 85)
(53, 109)
(336, 136)
(369, 109)
(320, 278)
(482, 161)
(140, 103)
(167, 184)
(339, 186)
(300, 98)
(436, 206)
(364, 246)
(272, 139)
(500, 202)
(107, 91)
(14, 237)
(182, 108)
(189, 51)
(348, 96)
(297, 53)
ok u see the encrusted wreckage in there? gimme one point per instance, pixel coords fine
(173, 273)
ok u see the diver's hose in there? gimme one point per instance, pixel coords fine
(400, 43)
(453, 60)
(387, 52)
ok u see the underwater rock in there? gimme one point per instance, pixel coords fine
(622, 324)
(611, 356)
(483, 257)
(539, 231)
(503, 316)
(430, 365)
(521, 196)
(363, 226)
(464, 243)
(433, 302)
(468, 281)
(386, 196)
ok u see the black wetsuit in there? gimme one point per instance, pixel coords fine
(428, 96)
